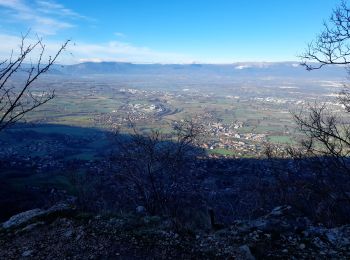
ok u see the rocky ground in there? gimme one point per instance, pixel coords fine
(63, 233)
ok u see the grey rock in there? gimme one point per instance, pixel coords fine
(247, 254)
(35, 214)
(59, 208)
(79, 236)
(32, 226)
(27, 253)
(270, 225)
(140, 209)
(68, 233)
(278, 211)
(332, 236)
(339, 236)
(22, 218)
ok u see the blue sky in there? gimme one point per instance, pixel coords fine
(167, 31)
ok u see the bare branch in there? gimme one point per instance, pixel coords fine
(17, 101)
(332, 45)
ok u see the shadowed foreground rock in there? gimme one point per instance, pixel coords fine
(37, 214)
(279, 234)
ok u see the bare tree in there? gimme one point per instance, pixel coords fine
(321, 162)
(326, 133)
(17, 100)
(332, 45)
(156, 167)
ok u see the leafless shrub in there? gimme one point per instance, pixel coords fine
(157, 170)
(16, 101)
(327, 136)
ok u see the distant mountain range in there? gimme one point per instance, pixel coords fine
(241, 69)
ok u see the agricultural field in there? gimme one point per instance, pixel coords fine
(239, 113)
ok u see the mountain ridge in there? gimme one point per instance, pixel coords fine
(239, 69)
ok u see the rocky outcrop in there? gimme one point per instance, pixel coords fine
(22, 218)
(33, 215)
(281, 234)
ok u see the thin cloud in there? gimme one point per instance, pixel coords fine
(119, 34)
(107, 51)
(50, 7)
(122, 51)
(39, 15)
